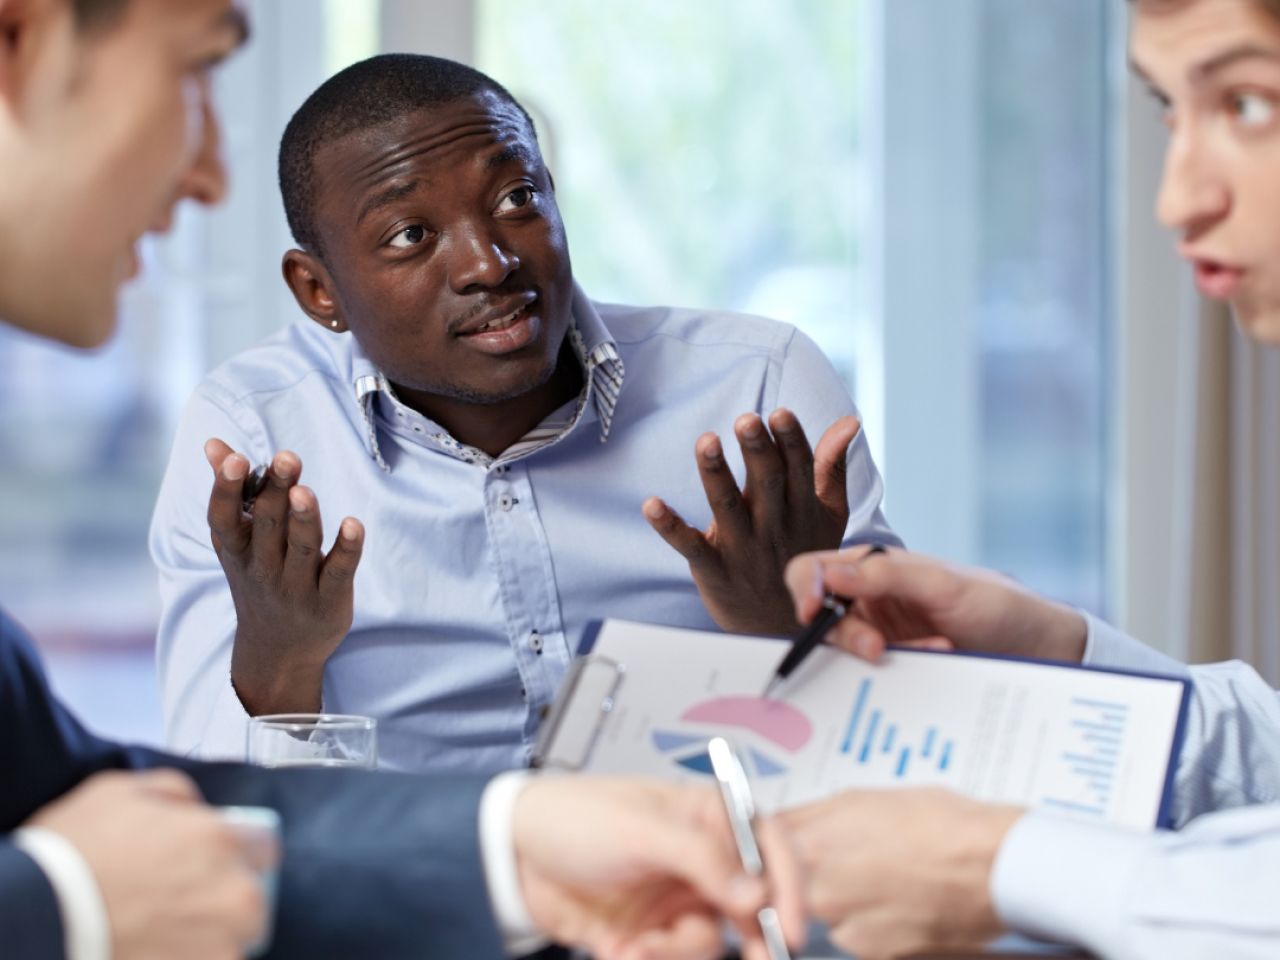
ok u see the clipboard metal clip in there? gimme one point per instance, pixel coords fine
(577, 716)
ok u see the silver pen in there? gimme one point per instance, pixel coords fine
(742, 812)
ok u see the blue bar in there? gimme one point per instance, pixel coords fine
(928, 742)
(1114, 717)
(1100, 704)
(1104, 727)
(946, 756)
(1085, 758)
(871, 732)
(902, 760)
(857, 712)
(1070, 805)
(1101, 738)
(888, 738)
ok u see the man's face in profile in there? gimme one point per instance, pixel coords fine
(113, 127)
(442, 236)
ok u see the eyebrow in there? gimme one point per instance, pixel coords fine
(386, 198)
(1234, 55)
(513, 151)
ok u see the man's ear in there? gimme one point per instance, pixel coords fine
(313, 289)
(26, 28)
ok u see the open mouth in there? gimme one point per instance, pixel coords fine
(508, 333)
(1217, 280)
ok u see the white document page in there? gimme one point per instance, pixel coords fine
(1085, 743)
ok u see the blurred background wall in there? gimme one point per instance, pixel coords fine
(944, 193)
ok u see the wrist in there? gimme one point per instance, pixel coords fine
(277, 685)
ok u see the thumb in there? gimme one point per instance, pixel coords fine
(829, 470)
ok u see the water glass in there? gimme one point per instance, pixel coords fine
(314, 740)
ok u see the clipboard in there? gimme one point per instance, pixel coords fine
(638, 700)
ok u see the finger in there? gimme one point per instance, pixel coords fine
(786, 882)
(727, 506)
(271, 511)
(684, 539)
(804, 577)
(691, 936)
(339, 569)
(305, 535)
(169, 783)
(793, 447)
(765, 489)
(231, 530)
(858, 637)
(830, 468)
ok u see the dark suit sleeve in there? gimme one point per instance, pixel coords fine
(30, 926)
(375, 865)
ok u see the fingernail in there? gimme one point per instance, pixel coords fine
(844, 569)
(284, 470)
(654, 509)
(233, 468)
(299, 507)
(865, 647)
(348, 530)
(820, 582)
(751, 430)
(713, 451)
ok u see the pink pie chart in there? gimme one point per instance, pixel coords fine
(774, 720)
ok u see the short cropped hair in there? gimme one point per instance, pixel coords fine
(95, 15)
(365, 95)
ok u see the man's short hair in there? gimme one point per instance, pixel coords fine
(365, 95)
(93, 15)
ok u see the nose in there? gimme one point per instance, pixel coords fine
(1193, 193)
(205, 181)
(479, 259)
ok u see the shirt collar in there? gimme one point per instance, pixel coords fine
(592, 344)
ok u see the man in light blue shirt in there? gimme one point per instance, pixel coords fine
(494, 431)
(911, 871)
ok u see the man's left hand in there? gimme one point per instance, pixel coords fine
(794, 500)
(898, 872)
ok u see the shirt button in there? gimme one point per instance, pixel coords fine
(535, 643)
(399, 413)
(499, 469)
(505, 502)
(417, 428)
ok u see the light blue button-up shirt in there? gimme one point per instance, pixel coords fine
(1212, 889)
(479, 574)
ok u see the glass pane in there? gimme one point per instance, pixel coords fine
(705, 154)
(1046, 308)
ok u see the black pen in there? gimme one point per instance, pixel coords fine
(255, 481)
(833, 610)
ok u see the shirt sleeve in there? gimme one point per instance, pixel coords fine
(85, 924)
(810, 387)
(203, 715)
(497, 848)
(1207, 891)
(1230, 754)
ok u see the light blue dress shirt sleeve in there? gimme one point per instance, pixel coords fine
(1211, 889)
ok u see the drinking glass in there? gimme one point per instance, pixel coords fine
(314, 740)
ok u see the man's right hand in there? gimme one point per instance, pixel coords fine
(637, 868)
(294, 604)
(176, 880)
(903, 597)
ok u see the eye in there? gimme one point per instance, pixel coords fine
(1252, 109)
(409, 236)
(519, 197)
(1163, 104)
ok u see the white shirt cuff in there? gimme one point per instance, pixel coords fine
(86, 927)
(1068, 882)
(1106, 646)
(498, 854)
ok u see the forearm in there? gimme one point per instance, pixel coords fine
(1230, 754)
(1208, 891)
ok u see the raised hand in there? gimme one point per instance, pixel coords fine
(904, 597)
(176, 880)
(794, 500)
(898, 872)
(294, 604)
(636, 868)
